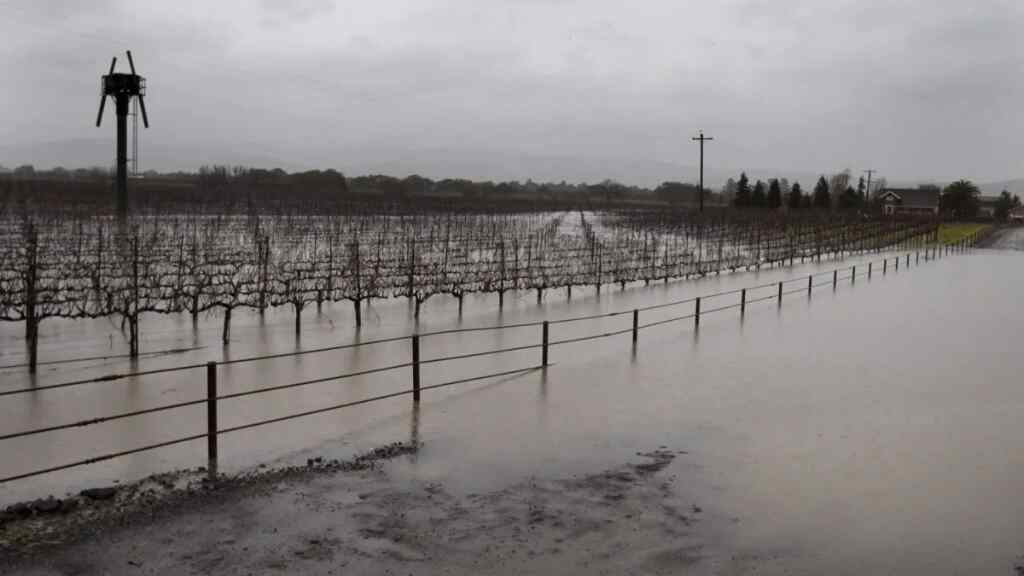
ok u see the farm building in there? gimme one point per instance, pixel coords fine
(914, 201)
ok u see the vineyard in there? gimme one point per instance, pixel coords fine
(68, 264)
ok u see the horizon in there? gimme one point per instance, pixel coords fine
(988, 189)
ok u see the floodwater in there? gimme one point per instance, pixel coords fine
(870, 430)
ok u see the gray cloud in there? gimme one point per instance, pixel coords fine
(917, 89)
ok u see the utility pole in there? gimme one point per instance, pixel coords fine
(701, 138)
(867, 193)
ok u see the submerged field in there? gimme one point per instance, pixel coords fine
(68, 265)
(833, 434)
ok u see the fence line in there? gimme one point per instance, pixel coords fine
(212, 399)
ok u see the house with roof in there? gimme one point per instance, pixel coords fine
(923, 201)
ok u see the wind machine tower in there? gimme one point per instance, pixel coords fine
(123, 88)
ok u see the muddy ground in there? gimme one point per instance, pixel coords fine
(338, 518)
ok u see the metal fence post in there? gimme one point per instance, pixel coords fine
(835, 278)
(810, 284)
(416, 368)
(696, 313)
(636, 324)
(917, 258)
(780, 293)
(211, 418)
(869, 270)
(853, 275)
(743, 301)
(885, 266)
(897, 264)
(908, 260)
(544, 344)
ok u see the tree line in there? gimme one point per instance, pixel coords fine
(835, 192)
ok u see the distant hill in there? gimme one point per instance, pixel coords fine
(1015, 186)
(159, 156)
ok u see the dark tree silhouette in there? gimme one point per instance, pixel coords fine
(822, 198)
(742, 191)
(774, 194)
(849, 199)
(961, 199)
(758, 198)
(795, 200)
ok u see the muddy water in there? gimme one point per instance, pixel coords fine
(870, 430)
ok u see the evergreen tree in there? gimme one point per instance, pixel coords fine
(795, 201)
(758, 198)
(774, 194)
(822, 198)
(742, 199)
(849, 199)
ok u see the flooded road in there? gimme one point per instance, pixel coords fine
(1008, 238)
(870, 430)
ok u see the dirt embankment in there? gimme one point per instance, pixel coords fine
(335, 518)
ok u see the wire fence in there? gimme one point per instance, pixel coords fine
(807, 284)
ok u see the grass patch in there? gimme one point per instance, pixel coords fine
(950, 233)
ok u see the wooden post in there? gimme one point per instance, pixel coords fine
(810, 284)
(696, 313)
(885, 266)
(636, 324)
(416, 368)
(743, 301)
(917, 258)
(869, 270)
(211, 418)
(908, 260)
(780, 293)
(835, 278)
(853, 275)
(544, 343)
(897, 264)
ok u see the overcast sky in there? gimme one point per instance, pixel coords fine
(916, 89)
